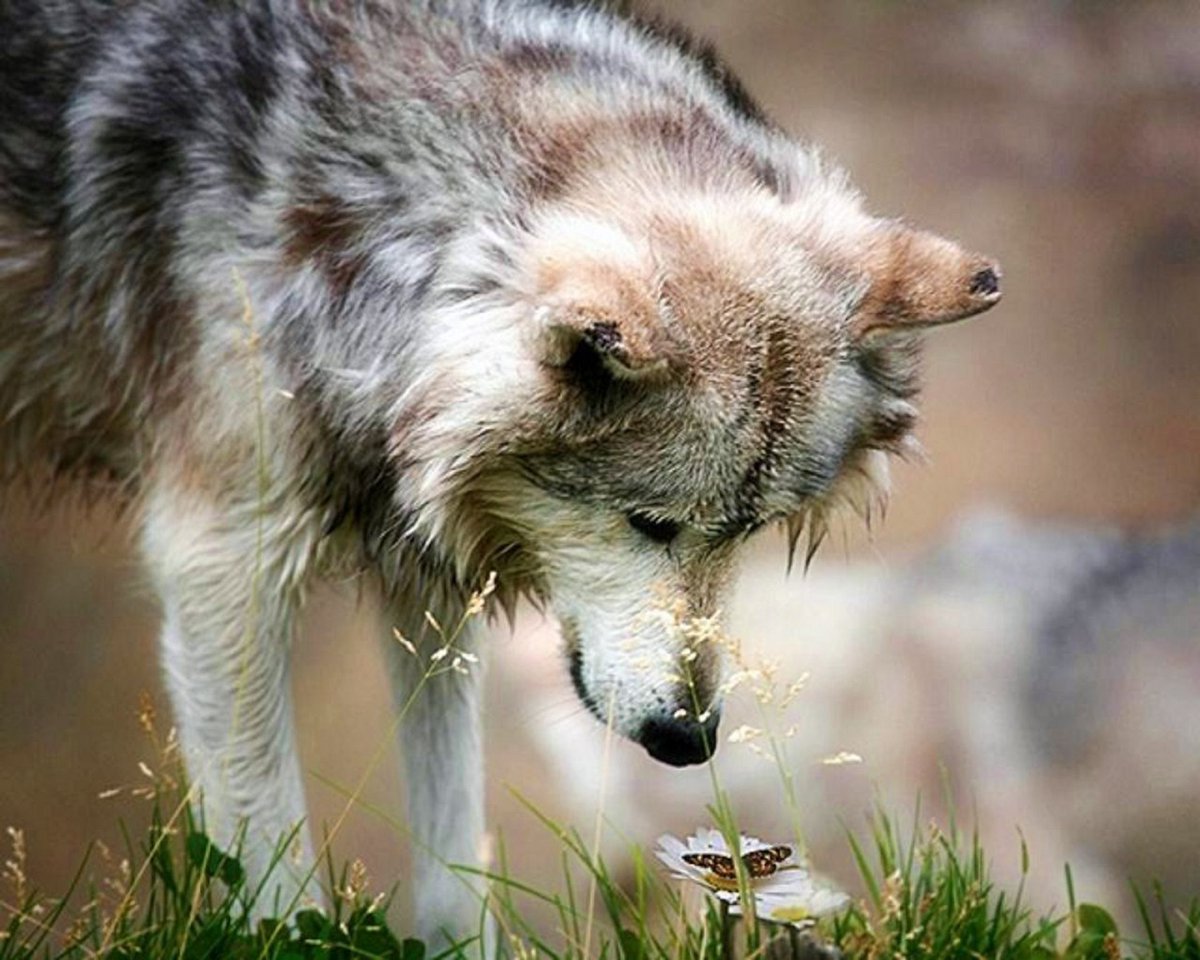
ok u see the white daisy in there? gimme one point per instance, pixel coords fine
(801, 906)
(783, 889)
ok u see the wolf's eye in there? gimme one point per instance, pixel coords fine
(660, 531)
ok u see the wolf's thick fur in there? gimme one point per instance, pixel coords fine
(428, 289)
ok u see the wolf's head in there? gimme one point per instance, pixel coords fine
(643, 380)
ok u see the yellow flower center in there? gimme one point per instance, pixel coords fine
(728, 884)
(791, 914)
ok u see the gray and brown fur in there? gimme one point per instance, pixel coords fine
(431, 289)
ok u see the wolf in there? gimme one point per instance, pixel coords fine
(421, 290)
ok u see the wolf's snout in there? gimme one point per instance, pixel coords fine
(680, 743)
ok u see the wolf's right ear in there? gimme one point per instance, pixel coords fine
(918, 280)
(623, 349)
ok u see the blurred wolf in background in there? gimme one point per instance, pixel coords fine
(425, 290)
(1051, 665)
(1059, 665)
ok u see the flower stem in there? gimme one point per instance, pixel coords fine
(726, 929)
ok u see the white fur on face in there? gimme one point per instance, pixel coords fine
(619, 597)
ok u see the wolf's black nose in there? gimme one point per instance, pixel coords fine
(680, 743)
(986, 282)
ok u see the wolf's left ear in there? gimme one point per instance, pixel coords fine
(919, 279)
(624, 349)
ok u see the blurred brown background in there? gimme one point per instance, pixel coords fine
(1062, 138)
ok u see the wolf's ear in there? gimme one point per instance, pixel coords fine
(919, 279)
(594, 298)
(624, 349)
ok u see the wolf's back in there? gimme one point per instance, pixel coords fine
(53, 406)
(45, 46)
(120, 122)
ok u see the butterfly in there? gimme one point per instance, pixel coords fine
(760, 863)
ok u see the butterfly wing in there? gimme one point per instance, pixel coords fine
(718, 864)
(764, 862)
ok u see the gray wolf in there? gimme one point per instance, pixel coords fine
(425, 290)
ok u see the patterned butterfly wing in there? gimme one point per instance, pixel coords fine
(718, 864)
(764, 862)
(759, 863)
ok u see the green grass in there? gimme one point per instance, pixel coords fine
(928, 891)
(928, 895)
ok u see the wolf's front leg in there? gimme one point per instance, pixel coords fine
(230, 577)
(438, 727)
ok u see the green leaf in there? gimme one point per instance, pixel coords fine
(631, 945)
(206, 942)
(412, 950)
(313, 925)
(1089, 945)
(370, 937)
(272, 930)
(1094, 919)
(214, 863)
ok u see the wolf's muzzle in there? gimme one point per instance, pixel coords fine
(680, 743)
